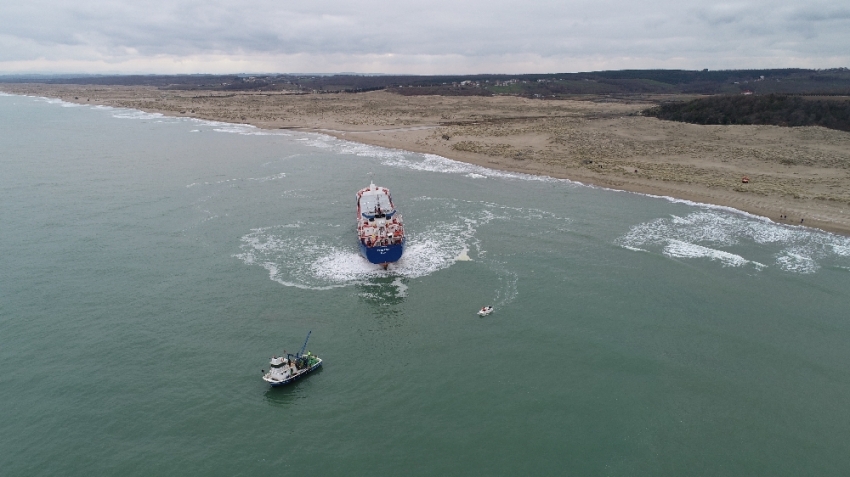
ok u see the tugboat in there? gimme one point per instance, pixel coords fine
(286, 369)
(379, 226)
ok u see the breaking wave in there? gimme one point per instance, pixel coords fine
(418, 161)
(704, 233)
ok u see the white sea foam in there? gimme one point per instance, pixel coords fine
(307, 260)
(435, 163)
(841, 249)
(64, 104)
(136, 114)
(703, 234)
(679, 249)
(218, 126)
(797, 262)
(320, 256)
(294, 194)
(268, 178)
(401, 288)
(242, 129)
(389, 157)
(417, 161)
(274, 177)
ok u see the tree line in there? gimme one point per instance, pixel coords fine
(772, 109)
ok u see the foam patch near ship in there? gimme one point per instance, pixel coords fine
(322, 256)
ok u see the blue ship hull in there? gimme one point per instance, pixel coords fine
(383, 254)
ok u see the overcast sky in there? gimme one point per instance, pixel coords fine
(424, 37)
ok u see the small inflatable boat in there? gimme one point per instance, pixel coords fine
(485, 311)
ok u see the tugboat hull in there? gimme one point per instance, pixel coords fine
(295, 377)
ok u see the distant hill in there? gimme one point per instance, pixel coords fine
(548, 86)
(775, 109)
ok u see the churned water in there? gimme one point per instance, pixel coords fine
(152, 265)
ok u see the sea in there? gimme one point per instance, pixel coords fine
(150, 267)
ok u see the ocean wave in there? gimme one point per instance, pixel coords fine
(245, 130)
(440, 164)
(136, 114)
(217, 126)
(701, 234)
(679, 249)
(800, 262)
(418, 161)
(60, 102)
(274, 177)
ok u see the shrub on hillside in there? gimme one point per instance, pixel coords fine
(773, 109)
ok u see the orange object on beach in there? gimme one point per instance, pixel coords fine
(745, 180)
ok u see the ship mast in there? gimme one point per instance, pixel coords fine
(305, 345)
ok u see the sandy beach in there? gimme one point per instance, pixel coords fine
(801, 173)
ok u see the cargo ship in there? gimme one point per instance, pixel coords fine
(379, 226)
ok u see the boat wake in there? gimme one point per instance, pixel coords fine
(507, 291)
(319, 256)
(311, 259)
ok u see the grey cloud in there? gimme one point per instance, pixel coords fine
(659, 30)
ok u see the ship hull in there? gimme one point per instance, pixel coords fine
(296, 377)
(382, 254)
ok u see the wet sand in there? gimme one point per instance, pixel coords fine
(803, 173)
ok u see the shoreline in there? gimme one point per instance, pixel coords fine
(695, 198)
(473, 139)
(695, 202)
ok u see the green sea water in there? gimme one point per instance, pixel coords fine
(150, 266)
